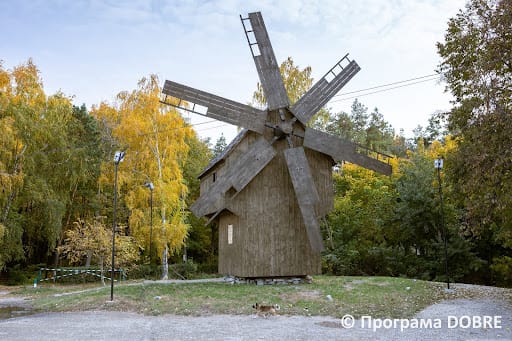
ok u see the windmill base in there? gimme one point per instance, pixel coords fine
(269, 280)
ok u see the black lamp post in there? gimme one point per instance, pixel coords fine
(151, 188)
(118, 157)
(438, 164)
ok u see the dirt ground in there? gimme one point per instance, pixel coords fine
(461, 319)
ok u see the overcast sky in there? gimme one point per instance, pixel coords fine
(94, 49)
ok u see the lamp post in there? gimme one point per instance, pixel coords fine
(438, 164)
(118, 157)
(151, 188)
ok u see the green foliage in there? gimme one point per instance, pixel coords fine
(220, 145)
(502, 270)
(368, 130)
(50, 168)
(391, 226)
(201, 240)
(357, 227)
(476, 63)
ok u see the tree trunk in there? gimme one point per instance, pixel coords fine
(165, 265)
(101, 272)
(88, 259)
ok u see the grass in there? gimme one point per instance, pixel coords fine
(383, 297)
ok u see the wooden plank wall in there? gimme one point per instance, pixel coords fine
(269, 236)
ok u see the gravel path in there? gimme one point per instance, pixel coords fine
(130, 326)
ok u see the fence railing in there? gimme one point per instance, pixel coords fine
(50, 274)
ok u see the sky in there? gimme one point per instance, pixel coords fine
(94, 49)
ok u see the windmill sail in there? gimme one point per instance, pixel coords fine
(342, 150)
(306, 194)
(266, 63)
(220, 108)
(335, 79)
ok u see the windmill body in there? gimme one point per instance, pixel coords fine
(272, 184)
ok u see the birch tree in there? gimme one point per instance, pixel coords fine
(154, 137)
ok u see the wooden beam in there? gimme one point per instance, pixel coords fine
(217, 107)
(238, 176)
(316, 97)
(266, 64)
(342, 150)
(306, 194)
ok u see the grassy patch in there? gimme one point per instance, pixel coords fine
(327, 295)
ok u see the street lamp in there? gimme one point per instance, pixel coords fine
(118, 158)
(151, 188)
(438, 164)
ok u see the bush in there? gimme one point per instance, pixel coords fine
(186, 270)
(146, 271)
(502, 271)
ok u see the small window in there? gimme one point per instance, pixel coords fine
(214, 177)
(230, 234)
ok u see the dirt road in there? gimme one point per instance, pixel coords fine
(449, 320)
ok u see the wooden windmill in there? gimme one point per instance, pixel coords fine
(272, 184)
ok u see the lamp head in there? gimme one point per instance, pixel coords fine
(119, 157)
(438, 163)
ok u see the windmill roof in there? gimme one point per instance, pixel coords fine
(222, 156)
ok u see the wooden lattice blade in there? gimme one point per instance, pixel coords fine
(342, 150)
(316, 97)
(237, 176)
(220, 108)
(266, 64)
(306, 194)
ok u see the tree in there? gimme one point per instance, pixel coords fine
(38, 162)
(92, 239)
(155, 138)
(379, 133)
(356, 229)
(477, 66)
(359, 118)
(419, 233)
(220, 145)
(296, 82)
(201, 238)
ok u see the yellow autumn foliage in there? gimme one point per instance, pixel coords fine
(154, 137)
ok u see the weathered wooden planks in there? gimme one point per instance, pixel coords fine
(313, 100)
(342, 150)
(266, 64)
(217, 107)
(272, 238)
(306, 194)
(238, 175)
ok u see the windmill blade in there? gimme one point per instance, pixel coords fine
(238, 176)
(340, 149)
(316, 97)
(266, 64)
(220, 108)
(306, 194)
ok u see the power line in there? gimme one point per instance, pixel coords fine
(177, 128)
(383, 90)
(385, 85)
(421, 79)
